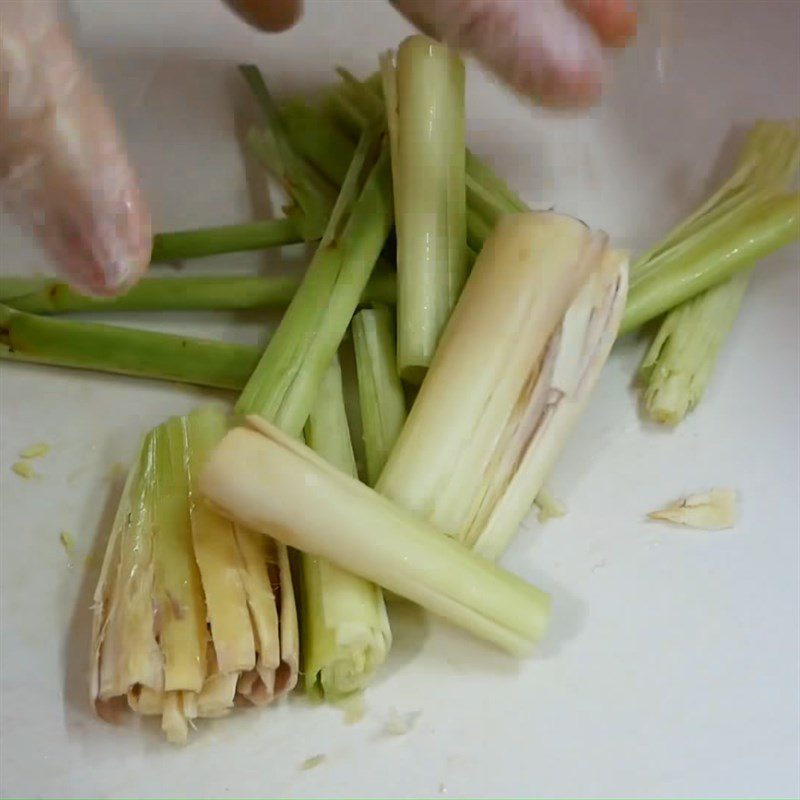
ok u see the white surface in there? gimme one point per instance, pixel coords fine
(672, 668)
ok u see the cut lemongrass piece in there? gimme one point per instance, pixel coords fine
(380, 393)
(284, 385)
(681, 358)
(510, 378)
(180, 611)
(346, 634)
(426, 126)
(263, 478)
(217, 553)
(714, 510)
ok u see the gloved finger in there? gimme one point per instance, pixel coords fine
(268, 15)
(614, 21)
(63, 167)
(540, 48)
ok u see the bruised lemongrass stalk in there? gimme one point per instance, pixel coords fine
(261, 477)
(272, 145)
(107, 348)
(380, 393)
(284, 385)
(425, 111)
(193, 293)
(179, 245)
(346, 634)
(511, 376)
(681, 358)
(180, 622)
(678, 365)
(750, 216)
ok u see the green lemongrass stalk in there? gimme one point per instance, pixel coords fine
(679, 363)
(179, 245)
(682, 356)
(346, 634)
(425, 109)
(713, 255)
(198, 293)
(263, 478)
(381, 399)
(272, 145)
(106, 348)
(512, 374)
(284, 385)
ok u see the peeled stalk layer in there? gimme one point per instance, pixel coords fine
(201, 293)
(179, 245)
(679, 363)
(284, 385)
(512, 373)
(426, 127)
(346, 634)
(380, 393)
(184, 612)
(106, 348)
(270, 481)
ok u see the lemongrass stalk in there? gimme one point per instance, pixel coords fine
(217, 553)
(509, 380)
(284, 385)
(712, 255)
(425, 109)
(312, 193)
(346, 634)
(681, 358)
(179, 245)
(380, 394)
(106, 348)
(194, 293)
(261, 477)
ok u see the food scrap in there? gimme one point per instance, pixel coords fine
(25, 470)
(35, 451)
(711, 511)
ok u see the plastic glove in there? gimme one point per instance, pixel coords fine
(63, 166)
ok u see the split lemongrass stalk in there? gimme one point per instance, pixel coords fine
(193, 293)
(179, 245)
(750, 216)
(346, 634)
(272, 145)
(380, 393)
(263, 478)
(425, 112)
(682, 356)
(108, 348)
(181, 618)
(511, 376)
(679, 363)
(284, 385)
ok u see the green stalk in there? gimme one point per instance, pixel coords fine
(713, 255)
(284, 385)
(46, 296)
(273, 146)
(346, 634)
(83, 345)
(681, 358)
(381, 399)
(425, 108)
(179, 245)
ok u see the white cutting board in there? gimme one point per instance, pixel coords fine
(672, 667)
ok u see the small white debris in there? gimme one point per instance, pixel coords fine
(399, 724)
(711, 511)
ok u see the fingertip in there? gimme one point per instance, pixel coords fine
(271, 16)
(614, 21)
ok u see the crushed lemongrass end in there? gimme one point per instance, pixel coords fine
(714, 510)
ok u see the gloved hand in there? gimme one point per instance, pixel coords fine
(63, 166)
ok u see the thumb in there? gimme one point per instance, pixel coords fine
(63, 168)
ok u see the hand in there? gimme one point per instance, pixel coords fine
(63, 166)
